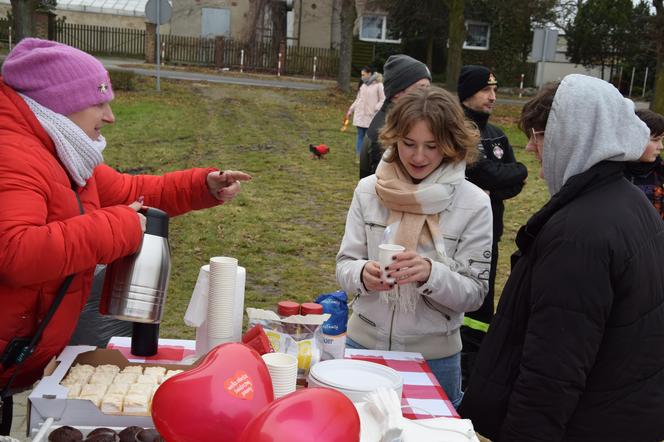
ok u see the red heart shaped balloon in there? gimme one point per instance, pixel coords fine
(216, 399)
(311, 414)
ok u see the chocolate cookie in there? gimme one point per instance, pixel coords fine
(149, 435)
(102, 435)
(129, 433)
(65, 434)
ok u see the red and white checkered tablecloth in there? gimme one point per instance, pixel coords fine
(170, 351)
(421, 390)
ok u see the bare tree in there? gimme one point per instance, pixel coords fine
(23, 13)
(657, 103)
(348, 15)
(457, 35)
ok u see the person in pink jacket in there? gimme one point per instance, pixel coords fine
(369, 100)
(62, 211)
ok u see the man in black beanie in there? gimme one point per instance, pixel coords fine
(499, 174)
(401, 74)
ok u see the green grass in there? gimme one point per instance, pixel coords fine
(286, 225)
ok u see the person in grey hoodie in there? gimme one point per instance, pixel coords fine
(575, 351)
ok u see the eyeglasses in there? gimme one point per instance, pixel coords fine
(535, 133)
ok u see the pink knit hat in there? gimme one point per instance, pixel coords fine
(59, 77)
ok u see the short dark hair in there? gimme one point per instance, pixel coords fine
(535, 112)
(369, 69)
(653, 120)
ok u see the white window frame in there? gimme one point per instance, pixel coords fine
(383, 38)
(488, 36)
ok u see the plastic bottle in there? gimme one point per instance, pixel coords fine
(345, 126)
(334, 329)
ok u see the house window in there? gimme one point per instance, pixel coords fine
(376, 28)
(477, 35)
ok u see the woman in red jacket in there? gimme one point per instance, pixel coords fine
(62, 210)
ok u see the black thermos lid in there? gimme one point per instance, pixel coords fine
(144, 339)
(157, 222)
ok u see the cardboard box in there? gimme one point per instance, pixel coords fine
(49, 398)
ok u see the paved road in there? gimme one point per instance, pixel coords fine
(124, 65)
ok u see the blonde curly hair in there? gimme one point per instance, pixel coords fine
(455, 135)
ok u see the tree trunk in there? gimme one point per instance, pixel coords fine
(657, 103)
(457, 35)
(346, 44)
(430, 52)
(23, 12)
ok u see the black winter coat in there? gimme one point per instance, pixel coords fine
(372, 149)
(497, 169)
(576, 349)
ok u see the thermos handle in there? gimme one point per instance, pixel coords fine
(156, 221)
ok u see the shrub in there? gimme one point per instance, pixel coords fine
(123, 80)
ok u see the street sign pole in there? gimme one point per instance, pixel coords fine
(158, 12)
(158, 49)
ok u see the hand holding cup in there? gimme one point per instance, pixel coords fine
(386, 256)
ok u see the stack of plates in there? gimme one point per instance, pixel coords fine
(354, 378)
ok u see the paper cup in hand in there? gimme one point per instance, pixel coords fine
(385, 254)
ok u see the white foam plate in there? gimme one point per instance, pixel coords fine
(355, 376)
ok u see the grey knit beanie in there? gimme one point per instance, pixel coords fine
(399, 72)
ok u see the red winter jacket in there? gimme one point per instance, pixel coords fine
(43, 237)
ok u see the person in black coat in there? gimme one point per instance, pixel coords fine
(499, 174)
(401, 74)
(648, 173)
(576, 349)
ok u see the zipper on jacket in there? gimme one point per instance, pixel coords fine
(394, 308)
(472, 261)
(350, 304)
(372, 225)
(427, 301)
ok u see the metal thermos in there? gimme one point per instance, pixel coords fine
(136, 285)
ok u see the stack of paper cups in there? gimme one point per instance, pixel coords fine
(221, 295)
(283, 372)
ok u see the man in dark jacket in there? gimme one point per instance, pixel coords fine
(576, 349)
(401, 74)
(500, 175)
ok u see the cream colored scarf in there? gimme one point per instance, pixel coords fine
(416, 208)
(78, 152)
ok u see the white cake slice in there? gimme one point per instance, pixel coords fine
(94, 389)
(74, 391)
(145, 389)
(147, 379)
(116, 388)
(170, 373)
(132, 369)
(107, 368)
(105, 378)
(157, 372)
(125, 378)
(112, 403)
(136, 404)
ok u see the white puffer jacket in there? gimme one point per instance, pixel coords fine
(455, 286)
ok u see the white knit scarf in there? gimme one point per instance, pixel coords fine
(79, 153)
(416, 208)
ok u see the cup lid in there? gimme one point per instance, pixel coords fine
(311, 308)
(288, 308)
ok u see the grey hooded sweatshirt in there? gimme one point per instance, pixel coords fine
(590, 121)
